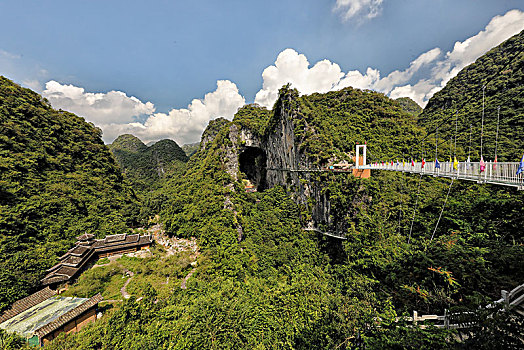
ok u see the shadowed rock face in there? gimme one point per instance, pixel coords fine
(257, 156)
(253, 162)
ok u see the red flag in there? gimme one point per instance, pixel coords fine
(412, 162)
(495, 164)
(391, 162)
(423, 162)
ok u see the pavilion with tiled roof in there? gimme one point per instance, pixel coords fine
(87, 248)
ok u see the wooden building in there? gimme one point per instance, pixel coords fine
(87, 248)
(43, 315)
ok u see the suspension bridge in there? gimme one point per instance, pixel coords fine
(498, 173)
(490, 172)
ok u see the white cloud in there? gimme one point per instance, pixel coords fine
(9, 55)
(371, 79)
(466, 52)
(116, 113)
(361, 9)
(99, 108)
(360, 81)
(324, 76)
(291, 67)
(183, 125)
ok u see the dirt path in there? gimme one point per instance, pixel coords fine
(111, 301)
(183, 285)
(123, 291)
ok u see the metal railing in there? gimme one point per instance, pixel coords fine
(501, 173)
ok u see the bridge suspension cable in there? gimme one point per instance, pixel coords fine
(446, 120)
(442, 211)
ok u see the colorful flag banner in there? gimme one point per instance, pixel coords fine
(482, 164)
(521, 165)
(495, 164)
(437, 164)
(455, 163)
(423, 162)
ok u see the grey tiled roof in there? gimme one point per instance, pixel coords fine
(70, 315)
(26, 303)
(77, 257)
(85, 237)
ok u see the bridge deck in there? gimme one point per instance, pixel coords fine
(503, 173)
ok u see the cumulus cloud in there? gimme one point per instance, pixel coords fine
(361, 9)
(371, 79)
(442, 67)
(292, 67)
(466, 52)
(184, 125)
(99, 108)
(116, 113)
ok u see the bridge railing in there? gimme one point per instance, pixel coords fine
(502, 173)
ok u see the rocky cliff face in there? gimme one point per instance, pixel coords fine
(271, 147)
(266, 161)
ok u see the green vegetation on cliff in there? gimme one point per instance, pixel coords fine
(145, 166)
(57, 181)
(409, 106)
(263, 282)
(501, 71)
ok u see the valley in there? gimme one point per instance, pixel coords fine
(233, 254)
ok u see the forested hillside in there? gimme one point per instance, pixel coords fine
(264, 282)
(145, 166)
(191, 148)
(409, 106)
(57, 181)
(501, 73)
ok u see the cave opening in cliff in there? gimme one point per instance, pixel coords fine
(252, 162)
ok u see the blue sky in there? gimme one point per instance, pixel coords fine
(142, 64)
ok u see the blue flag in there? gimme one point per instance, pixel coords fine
(521, 165)
(437, 164)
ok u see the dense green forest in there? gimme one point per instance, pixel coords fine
(261, 280)
(409, 106)
(500, 73)
(57, 181)
(191, 148)
(145, 167)
(277, 286)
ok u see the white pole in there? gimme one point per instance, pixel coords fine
(356, 155)
(365, 154)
